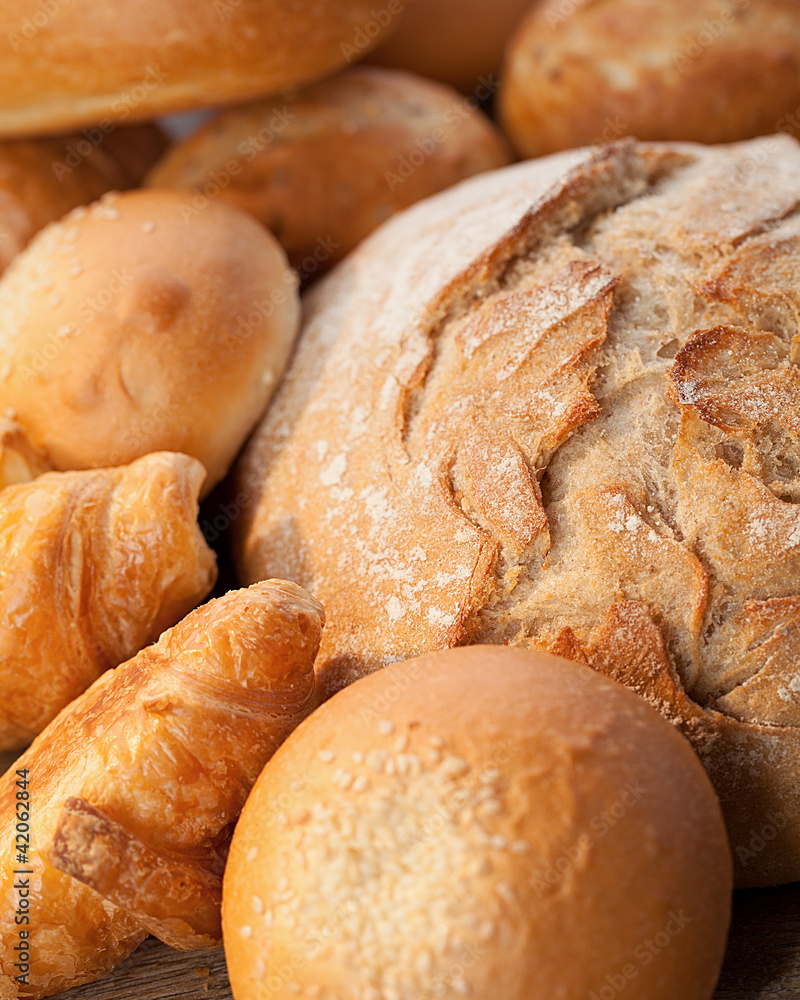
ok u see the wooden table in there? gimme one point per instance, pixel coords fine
(762, 963)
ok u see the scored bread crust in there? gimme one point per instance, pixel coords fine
(570, 420)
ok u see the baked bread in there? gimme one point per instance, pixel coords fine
(568, 422)
(594, 70)
(139, 61)
(43, 179)
(141, 324)
(480, 822)
(459, 42)
(349, 153)
(93, 566)
(134, 789)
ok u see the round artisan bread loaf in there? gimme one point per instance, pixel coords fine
(701, 70)
(459, 42)
(42, 179)
(569, 421)
(479, 822)
(141, 324)
(66, 64)
(321, 170)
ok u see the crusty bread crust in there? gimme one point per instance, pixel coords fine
(564, 428)
(83, 63)
(322, 169)
(583, 71)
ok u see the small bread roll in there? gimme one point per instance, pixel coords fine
(483, 822)
(455, 41)
(43, 179)
(595, 70)
(143, 324)
(323, 169)
(66, 64)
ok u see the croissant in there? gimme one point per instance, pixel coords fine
(93, 566)
(154, 763)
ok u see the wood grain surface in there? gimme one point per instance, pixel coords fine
(762, 963)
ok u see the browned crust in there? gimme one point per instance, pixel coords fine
(178, 901)
(207, 54)
(687, 70)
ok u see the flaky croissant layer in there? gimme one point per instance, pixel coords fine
(93, 566)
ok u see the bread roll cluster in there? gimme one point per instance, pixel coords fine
(526, 460)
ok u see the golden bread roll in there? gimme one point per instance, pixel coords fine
(349, 153)
(43, 179)
(66, 64)
(592, 71)
(93, 566)
(135, 787)
(480, 822)
(140, 324)
(571, 418)
(459, 42)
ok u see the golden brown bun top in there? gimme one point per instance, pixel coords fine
(456, 41)
(83, 63)
(323, 168)
(482, 802)
(698, 70)
(142, 324)
(43, 179)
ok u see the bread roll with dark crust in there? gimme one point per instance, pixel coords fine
(459, 42)
(481, 822)
(325, 168)
(144, 324)
(68, 64)
(587, 71)
(570, 421)
(43, 179)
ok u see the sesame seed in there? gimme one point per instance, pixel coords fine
(283, 884)
(491, 775)
(504, 891)
(358, 757)
(461, 986)
(454, 767)
(361, 783)
(490, 807)
(326, 756)
(294, 987)
(436, 741)
(520, 846)
(400, 745)
(259, 970)
(246, 931)
(486, 930)
(257, 904)
(269, 918)
(386, 727)
(148, 227)
(498, 842)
